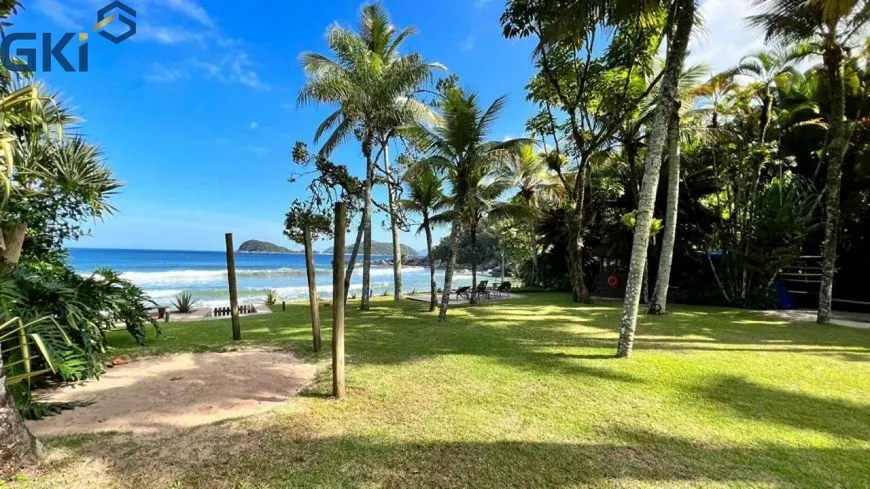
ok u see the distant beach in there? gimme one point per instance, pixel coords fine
(165, 273)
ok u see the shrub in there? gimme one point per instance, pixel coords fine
(184, 302)
(271, 297)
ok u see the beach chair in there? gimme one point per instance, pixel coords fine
(462, 291)
(482, 290)
(504, 288)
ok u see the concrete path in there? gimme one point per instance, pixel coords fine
(850, 319)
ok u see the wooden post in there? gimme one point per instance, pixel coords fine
(231, 278)
(312, 289)
(338, 389)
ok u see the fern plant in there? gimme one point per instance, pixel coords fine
(184, 302)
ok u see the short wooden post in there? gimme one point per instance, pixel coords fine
(338, 389)
(231, 278)
(283, 305)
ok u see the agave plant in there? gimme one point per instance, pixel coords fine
(184, 302)
(271, 297)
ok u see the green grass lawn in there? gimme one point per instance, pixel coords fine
(520, 394)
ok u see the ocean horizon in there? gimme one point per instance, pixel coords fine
(163, 274)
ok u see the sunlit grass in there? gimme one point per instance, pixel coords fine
(521, 393)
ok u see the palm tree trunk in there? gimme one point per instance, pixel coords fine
(367, 237)
(833, 58)
(473, 230)
(394, 227)
(766, 106)
(448, 271)
(431, 255)
(18, 446)
(659, 302)
(533, 242)
(312, 289)
(684, 17)
(352, 262)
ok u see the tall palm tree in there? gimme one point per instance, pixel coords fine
(372, 85)
(457, 148)
(827, 27)
(764, 68)
(688, 81)
(534, 183)
(683, 18)
(426, 196)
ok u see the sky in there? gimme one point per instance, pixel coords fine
(196, 113)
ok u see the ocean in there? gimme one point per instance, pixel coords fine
(163, 274)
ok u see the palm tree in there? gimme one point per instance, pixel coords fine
(426, 196)
(827, 26)
(533, 182)
(688, 82)
(683, 18)
(764, 68)
(485, 191)
(457, 148)
(372, 85)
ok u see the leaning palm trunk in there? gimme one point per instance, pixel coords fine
(659, 302)
(312, 289)
(473, 299)
(367, 238)
(394, 227)
(448, 271)
(431, 256)
(833, 58)
(18, 446)
(352, 262)
(684, 17)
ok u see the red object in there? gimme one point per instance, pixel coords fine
(613, 281)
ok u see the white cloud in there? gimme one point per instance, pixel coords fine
(467, 44)
(253, 125)
(164, 74)
(188, 8)
(233, 68)
(481, 3)
(169, 35)
(61, 13)
(725, 36)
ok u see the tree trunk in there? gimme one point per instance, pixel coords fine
(473, 230)
(350, 264)
(312, 289)
(367, 238)
(394, 227)
(18, 447)
(575, 259)
(766, 106)
(533, 241)
(833, 58)
(448, 271)
(433, 302)
(11, 242)
(659, 302)
(684, 17)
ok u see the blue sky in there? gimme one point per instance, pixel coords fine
(196, 113)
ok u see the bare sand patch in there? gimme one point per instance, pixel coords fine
(159, 394)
